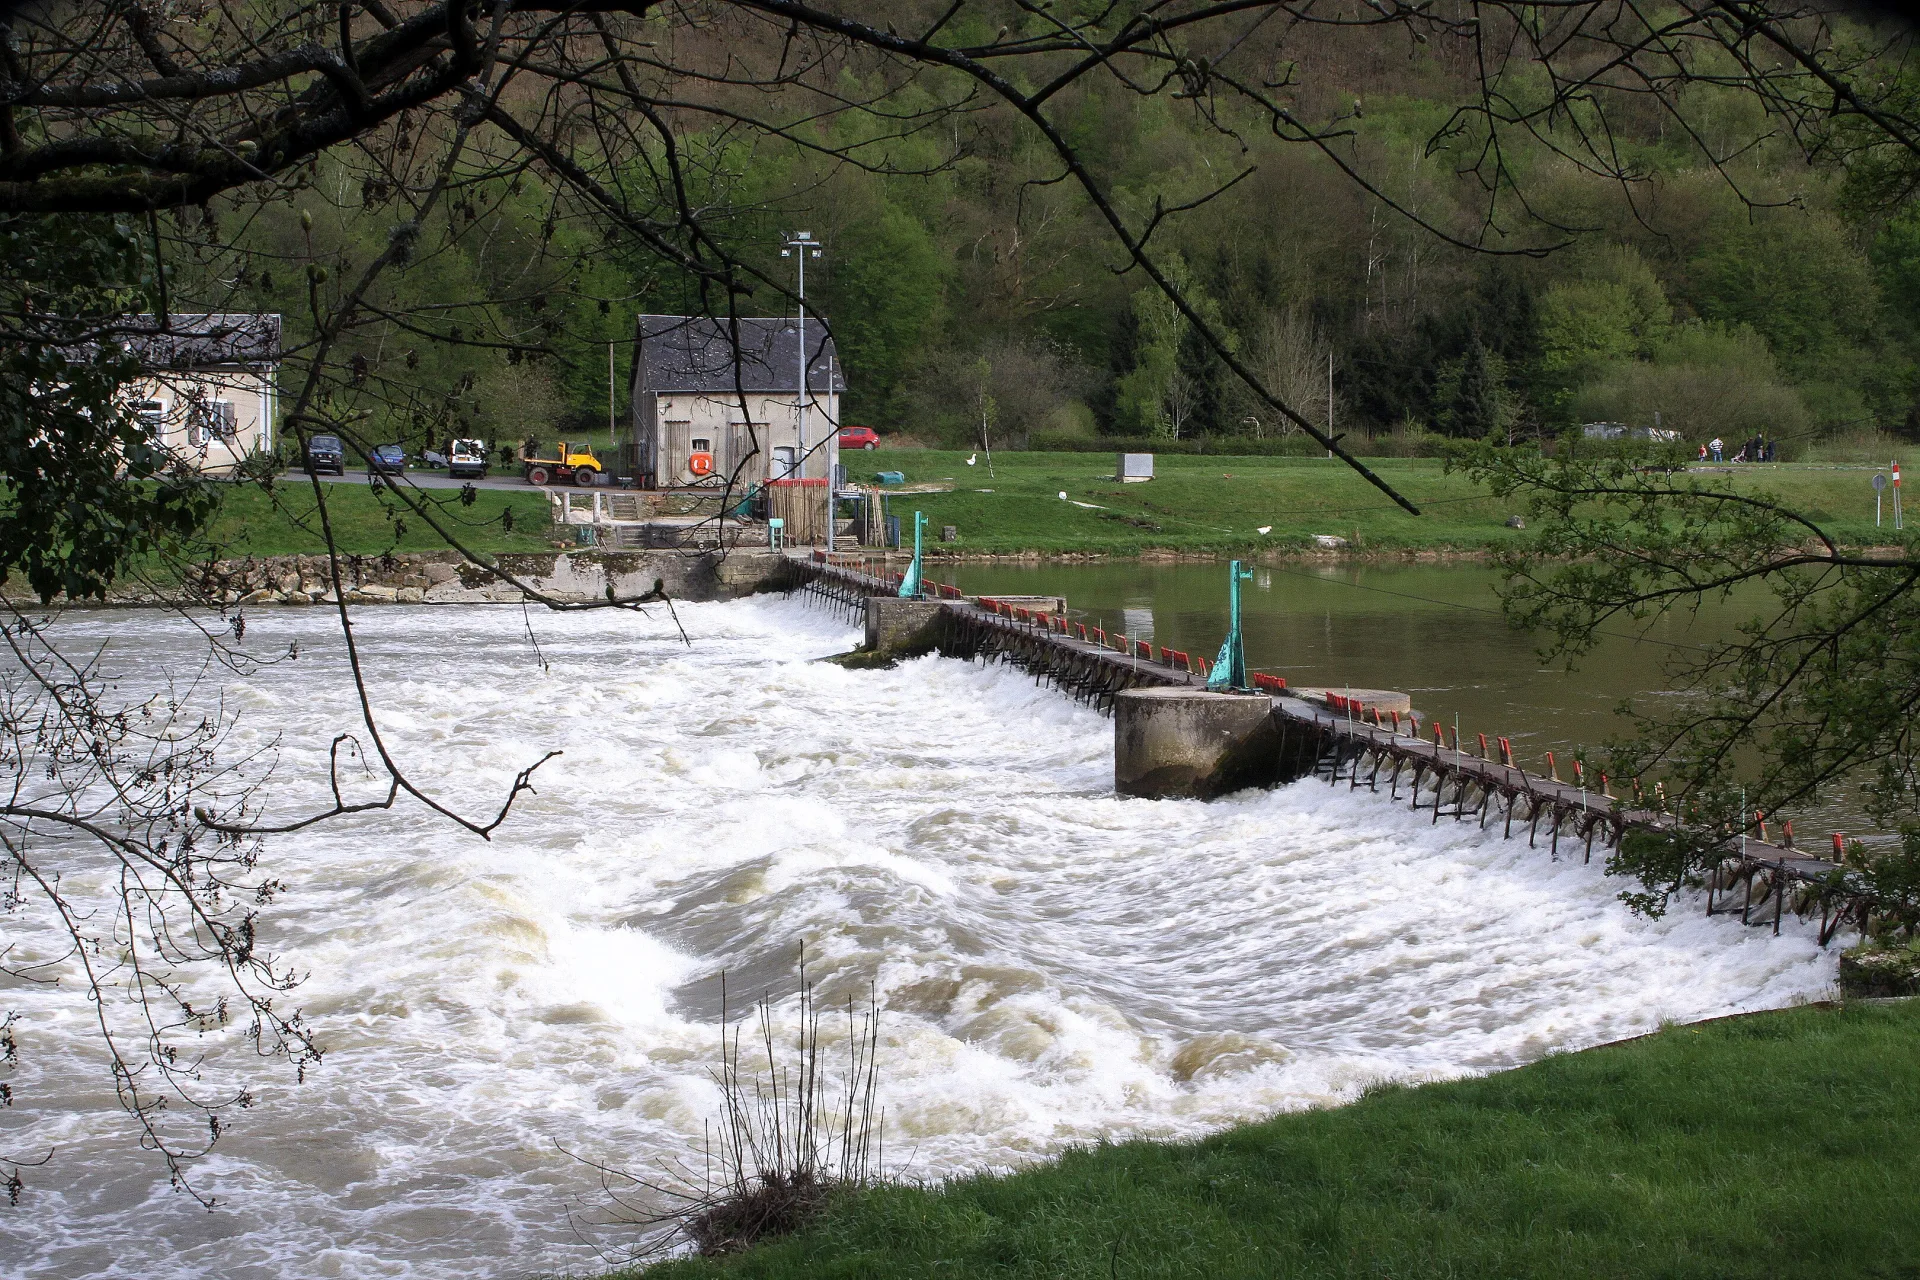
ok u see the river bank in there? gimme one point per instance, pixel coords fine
(1062, 507)
(446, 577)
(1778, 1144)
(1069, 504)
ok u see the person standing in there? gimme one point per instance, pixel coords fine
(1716, 445)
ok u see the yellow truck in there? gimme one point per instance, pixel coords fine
(573, 464)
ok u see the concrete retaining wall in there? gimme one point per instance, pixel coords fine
(445, 578)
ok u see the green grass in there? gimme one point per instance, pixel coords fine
(253, 521)
(1213, 504)
(1781, 1145)
(1195, 505)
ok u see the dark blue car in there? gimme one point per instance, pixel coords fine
(325, 454)
(390, 458)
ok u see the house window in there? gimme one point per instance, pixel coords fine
(213, 420)
(702, 445)
(152, 417)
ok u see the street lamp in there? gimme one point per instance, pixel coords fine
(801, 246)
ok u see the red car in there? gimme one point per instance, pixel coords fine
(858, 438)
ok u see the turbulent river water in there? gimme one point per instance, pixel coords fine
(1054, 965)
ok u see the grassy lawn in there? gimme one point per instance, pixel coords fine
(1781, 1145)
(255, 522)
(1218, 504)
(1195, 504)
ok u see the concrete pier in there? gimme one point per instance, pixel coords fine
(1186, 742)
(1360, 701)
(901, 627)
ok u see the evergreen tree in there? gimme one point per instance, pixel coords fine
(1123, 355)
(1207, 376)
(1473, 409)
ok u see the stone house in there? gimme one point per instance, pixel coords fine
(701, 401)
(208, 387)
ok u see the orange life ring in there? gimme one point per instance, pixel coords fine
(701, 464)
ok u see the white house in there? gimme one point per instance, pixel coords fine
(707, 404)
(207, 390)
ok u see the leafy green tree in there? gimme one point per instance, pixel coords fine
(888, 289)
(1163, 393)
(1896, 259)
(1704, 380)
(1820, 692)
(1796, 278)
(1615, 309)
(84, 490)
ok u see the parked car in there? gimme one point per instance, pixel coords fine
(466, 458)
(390, 458)
(858, 438)
(325, 454)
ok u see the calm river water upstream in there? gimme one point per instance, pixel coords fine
(1054, 965)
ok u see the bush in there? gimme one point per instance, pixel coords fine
(1706, 381)
(1867, 445)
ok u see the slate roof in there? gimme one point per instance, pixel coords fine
(208, 340)
(695, 353)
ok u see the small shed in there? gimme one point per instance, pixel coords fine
(719, 399)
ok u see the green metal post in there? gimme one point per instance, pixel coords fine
(1230, 668)
(910, 585)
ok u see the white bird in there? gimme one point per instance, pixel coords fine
(1266, 528)
(971, 457)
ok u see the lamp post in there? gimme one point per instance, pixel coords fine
(801, 246)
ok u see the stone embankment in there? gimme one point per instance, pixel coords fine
(444, 577)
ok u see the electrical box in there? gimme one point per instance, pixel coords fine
(1135, 467)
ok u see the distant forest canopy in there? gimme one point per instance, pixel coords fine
(1755, 292)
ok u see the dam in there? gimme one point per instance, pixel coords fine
(1174, 737)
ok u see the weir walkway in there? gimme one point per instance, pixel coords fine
(1360, 737)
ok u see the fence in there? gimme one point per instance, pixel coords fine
(803, 505)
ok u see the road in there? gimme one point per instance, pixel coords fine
(438, 480)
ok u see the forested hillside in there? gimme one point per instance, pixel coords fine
(1728, 286)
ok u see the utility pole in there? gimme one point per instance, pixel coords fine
(1329, 399)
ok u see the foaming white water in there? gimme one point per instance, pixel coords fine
(1054, 964)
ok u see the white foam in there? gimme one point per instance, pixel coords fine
(1056, 965)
